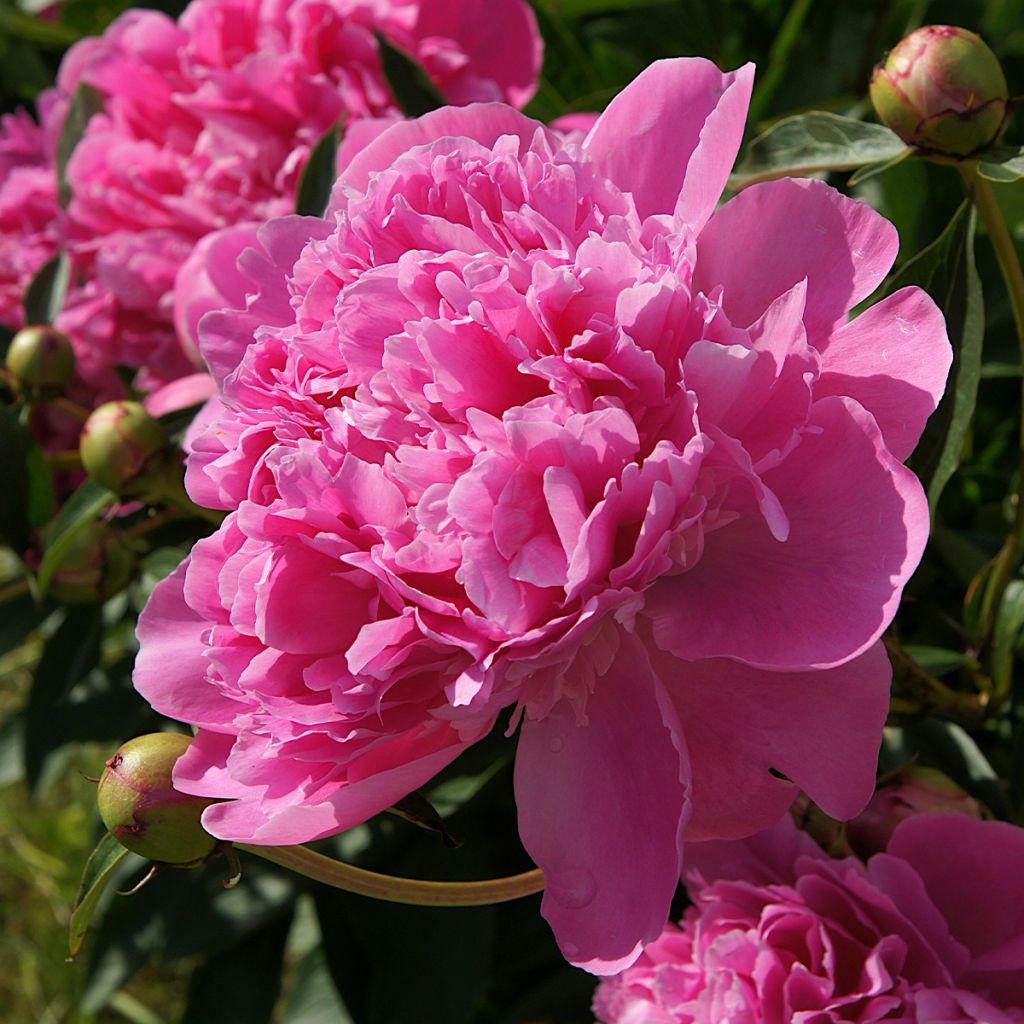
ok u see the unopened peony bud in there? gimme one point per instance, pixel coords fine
(143, 810)
(41, 360)
(121, 448)
(942, 89)
(97, 564)
(915, 790)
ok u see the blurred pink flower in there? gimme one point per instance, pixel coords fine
(207, 123)
(928, 931)
(28, 204)
(529, 423)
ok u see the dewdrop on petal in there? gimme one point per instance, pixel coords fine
(942, 89)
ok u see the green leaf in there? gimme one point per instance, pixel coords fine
(181, 914)
(78, 512)
(44, 297)
(68, 657)
(938, 661)
(99, 869)
(818, 141)
(1004, 164)
(242, 982)
(86, 100)
(318, 176)
(946, 270)
(28, 491)
(1007, 632)
(413, 90)
(312, 997)
(18, 618)
(869, 171)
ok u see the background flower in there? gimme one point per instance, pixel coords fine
(527, 423)
(929, 930)
(208, 122)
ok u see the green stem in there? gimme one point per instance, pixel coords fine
(16, 588)
(398, 890)
(1004, 567)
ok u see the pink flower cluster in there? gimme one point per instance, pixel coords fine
(208, 122)
(525, 422)
(928, 931)
(28, 209)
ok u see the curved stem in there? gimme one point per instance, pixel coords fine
(1007, 560)
(398, 890)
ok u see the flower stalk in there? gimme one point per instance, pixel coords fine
(391, 889)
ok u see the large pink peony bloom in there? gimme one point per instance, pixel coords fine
(209, 121)
(525, 422)
(931, 930)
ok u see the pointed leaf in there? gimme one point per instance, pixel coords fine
(413, 90)
(1004, 164)
(99, 869)
(946, 270)
(28, 491)
(817, 141)
(869, 171)
(86, 100)
(44, 297)
(319, 175)
(312, 997)
(78, 512)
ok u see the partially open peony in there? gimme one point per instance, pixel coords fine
(528, 423)
(207, 122)
(928, 931)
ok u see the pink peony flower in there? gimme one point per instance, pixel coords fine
(929, 930)
(208, 122)
(28, 204)
(528, 423)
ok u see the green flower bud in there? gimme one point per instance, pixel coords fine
(121, 448)
(143, 810)
(97, 564)
(942, 89)
(41, 360)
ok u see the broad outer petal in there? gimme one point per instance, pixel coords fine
(482, 122)
(826, 593)
(671, 136)
(771, 236)
(820, 729)
(170, 670)
(893, 359)
(974, 873)
(601, 808)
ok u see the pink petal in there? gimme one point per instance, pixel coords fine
(893, 359)
(170, 669)
(770, 236)
(820, 729)
(828, 591)
(482, 122)
(974, 873)
(601, 806)
(768, 857)
(671, 136)
(180, 394)
(500, 37)
(375, 781)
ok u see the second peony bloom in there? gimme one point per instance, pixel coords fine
(525, 422)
